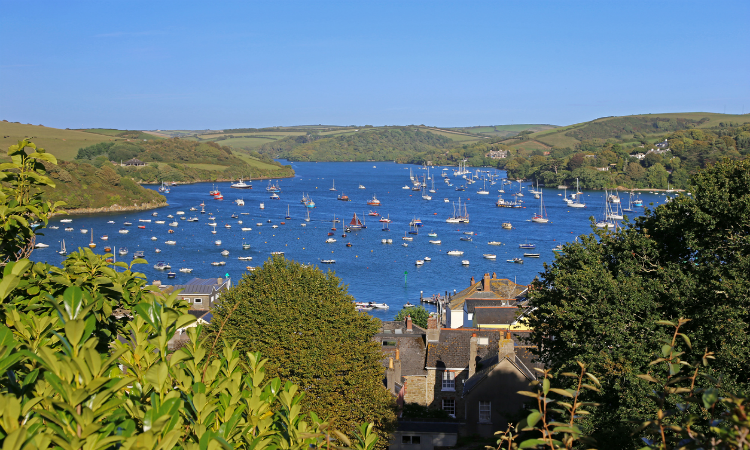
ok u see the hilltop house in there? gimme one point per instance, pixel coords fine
(497, 154)
(454, 313)
(202, 294)
(134, 162)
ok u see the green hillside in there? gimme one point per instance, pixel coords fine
(64, 144)
(632, 128)
(253, 138)
(368, 144)
(182, 160)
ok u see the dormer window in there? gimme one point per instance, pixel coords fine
(449, 381)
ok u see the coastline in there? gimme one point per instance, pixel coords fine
(179, 183)
(113, 208)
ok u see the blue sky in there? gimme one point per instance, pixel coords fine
(193, 65)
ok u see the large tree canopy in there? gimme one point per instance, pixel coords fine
(306, 324)
(598, 302)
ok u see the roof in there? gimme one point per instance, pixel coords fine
(472, 303)
(500, 288)
(411, 347)
(425, 426)
(495, 315)
(489, 364)
(200, 286)
(452, 350)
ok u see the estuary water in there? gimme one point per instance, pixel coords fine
(372, 270)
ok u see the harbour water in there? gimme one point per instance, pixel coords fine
(372, 270)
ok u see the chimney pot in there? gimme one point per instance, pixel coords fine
(398, 355)
(494, 275)
(486, 282)
(472, 282)
(408, 323)
(390, 363)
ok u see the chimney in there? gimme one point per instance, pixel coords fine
(472, 282)
(390, 378)
(494, 276)
(397, 370)
(472, 355)
(506, 348)
(486, 282)
(433, 330)
(408, 326)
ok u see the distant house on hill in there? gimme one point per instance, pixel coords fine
(490, 291)
(497, 154)
(134, 162)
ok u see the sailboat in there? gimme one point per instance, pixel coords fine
(542, 216)
(432, 191)
(607, 221)
(630, 203)
(307, 219)
(484, 190)
(92, 244)
(62, 249)
(287, 217)
(615, 211)
(355, 223)
(333, 187)
(577, 202)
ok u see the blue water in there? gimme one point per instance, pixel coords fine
(373, 271)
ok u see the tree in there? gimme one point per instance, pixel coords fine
(635, 171)
(418, 315)
(306, 324)
(657, 176)
(687, 258)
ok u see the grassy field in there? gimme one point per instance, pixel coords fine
(530, 145)
(213, 167)
(254, 162)
(64, 144)
(503, 130)
(453, 135)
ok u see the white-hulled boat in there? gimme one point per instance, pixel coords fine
(170, 242)
(186, 270)
(455, 253)
(241, 185)
(489, 256)
(217, 242)
(436, 242)
(66, 220)
(40, 245)
(465, 262)
(225, 253)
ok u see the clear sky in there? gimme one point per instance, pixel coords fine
(162, 64)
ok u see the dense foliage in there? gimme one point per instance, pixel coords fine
(687, 258)
(620, 126)
(181, 160)
(84, 185)
(599, 164)
(306, 324)
(419, 315)
(382, 144)
(75, 376)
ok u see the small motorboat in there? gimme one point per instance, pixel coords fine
(348, 244)
(69, 229)
(107, 249)
(489, 256)
(186, 270)
(507, 226)
(419, 262)
(531, 255)
(408, 305)
(245, 258)
(171, 242)
(465, 262)
(516, 260)
(495, 243)
(330, 240)
(455, 253)
(123, 251)
(245, 246)
(142, 227)
(84, 231)
(225, 253)
(153, 238)
(217, 242)
(157, 250)
(40, 245)
(105, 237)
(328, 261)
(218, 263)
(110, 222)
(436, 241)
(161, 265)
(427, 259)
(171, 274)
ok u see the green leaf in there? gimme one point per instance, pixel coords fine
(710, 397)
(545, 386)
(533, 418)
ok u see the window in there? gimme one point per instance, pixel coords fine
(483, 341)
(198, 300)
(410, 440)
(390, 343)
(449, 381)
(449, 406)
(485, 411)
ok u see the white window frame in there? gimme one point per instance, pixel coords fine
(449, 406)
(449, 381)
(485, 411)
(198, 300)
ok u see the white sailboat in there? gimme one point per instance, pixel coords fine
(333, 186)
(62, 249)
(577, 202)
(484, 190)
(542, 216)
(607, 221)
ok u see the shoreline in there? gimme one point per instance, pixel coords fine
(113, 208)
(179, 183)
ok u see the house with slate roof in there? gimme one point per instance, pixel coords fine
(499, 292)
(201, 293)
(134, 162)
